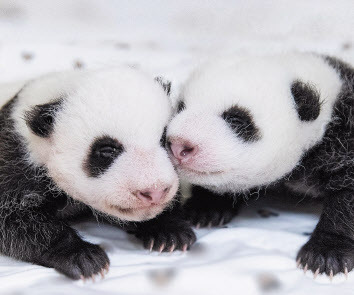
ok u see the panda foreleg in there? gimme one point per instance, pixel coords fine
(205, 208)
(35, 236)
(167, 232)
(330, 249)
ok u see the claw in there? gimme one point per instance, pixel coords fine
(107, 268)
(346, 273)
(172, 248)
(298, 263)
(151, 245)
(305, 268)
(209, 224)
(82, 278)
(102, 274)
(221, 223)
(331, 275)
(316, 273)
(93, 278)
(185, 246)
(198, 225)
(162, 247)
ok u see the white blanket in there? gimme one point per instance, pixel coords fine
(253, 254)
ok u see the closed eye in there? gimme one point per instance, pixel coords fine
(241, 122)
(107, 152)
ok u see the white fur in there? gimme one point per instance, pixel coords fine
(261, 85)
(122, 103)
(9, 90)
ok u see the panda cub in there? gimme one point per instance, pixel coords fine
(248, 123)
(75, 142)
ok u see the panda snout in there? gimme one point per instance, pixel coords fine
(182, 150)
(152, 196)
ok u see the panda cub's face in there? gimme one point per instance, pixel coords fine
(99, 134)
(245, 123)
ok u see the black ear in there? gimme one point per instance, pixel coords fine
(166, 85)
(307, 100)
(42, 117)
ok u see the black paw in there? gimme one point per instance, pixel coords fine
(81, 260)
(205, 208)
(327, 253)
(166, 236)
(208, 217)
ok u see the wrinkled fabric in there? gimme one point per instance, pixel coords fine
(254, 254)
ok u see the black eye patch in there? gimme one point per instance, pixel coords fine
(102, 154)
(241, 122)
(307, 100)
(180, 106)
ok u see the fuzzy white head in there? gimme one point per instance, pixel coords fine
(98, 134)
(246, 122)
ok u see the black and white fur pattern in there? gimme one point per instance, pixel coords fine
(75, 141)
(247, 123)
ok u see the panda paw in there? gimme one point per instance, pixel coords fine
(80, 261)
(327, 253)
(205, 217)
(166, 237)
(206, 209)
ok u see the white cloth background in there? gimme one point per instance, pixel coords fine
(253, 255)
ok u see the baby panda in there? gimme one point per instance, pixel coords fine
(84, 141)
(244, 124)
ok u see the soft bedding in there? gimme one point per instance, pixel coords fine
(255, 253)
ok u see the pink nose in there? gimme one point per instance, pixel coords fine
(183, 150)
(153, 196)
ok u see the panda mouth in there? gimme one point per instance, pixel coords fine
(203, 173)
(134, 209)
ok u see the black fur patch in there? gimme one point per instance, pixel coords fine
(180, 106)
(307, 100)
(329, 165)
(166, 85)
(102, 154)
(330, 249)
(42, 117)
(29, 200)
(73, 257)
(206, 208)
(241, 122)
(329, 168)
(344, 69)
(163, 139)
